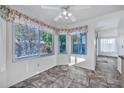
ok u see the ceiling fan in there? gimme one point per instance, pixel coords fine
(65, 11)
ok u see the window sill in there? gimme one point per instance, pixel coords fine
(31, 58)
(45, 55)
(79, 54)
(62, 53)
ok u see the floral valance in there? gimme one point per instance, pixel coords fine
(11, 15)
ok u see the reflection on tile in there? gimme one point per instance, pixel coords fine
(65, 76)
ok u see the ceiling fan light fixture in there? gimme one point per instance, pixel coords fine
(64, 13)
(60, 16)
(66, 17)
(69, 14)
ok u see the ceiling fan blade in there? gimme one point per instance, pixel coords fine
(52, 7)
(80, 7)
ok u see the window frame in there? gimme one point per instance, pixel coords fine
(113, 37)
(78, 45)
(65, 43)
(14, 59)
(53, 53)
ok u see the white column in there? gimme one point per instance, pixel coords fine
(91, 47)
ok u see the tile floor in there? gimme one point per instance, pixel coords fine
(64, 76)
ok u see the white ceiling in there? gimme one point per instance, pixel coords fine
(109, 23)
(48, 15)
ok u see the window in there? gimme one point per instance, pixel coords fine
(30, 41)
(26, 43)
(79, 43)
(46, 43)
(108, 45)
(62, 43)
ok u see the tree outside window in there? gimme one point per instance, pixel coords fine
(79, 43)
(46, 43)
(30, 41)
(62, 43)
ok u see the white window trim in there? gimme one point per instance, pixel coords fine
(78, 46)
